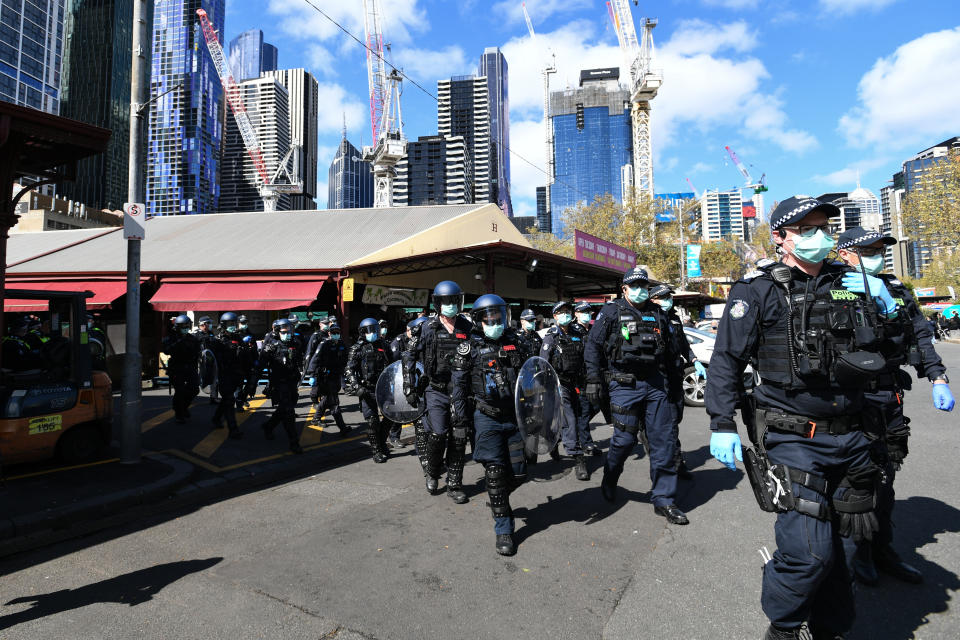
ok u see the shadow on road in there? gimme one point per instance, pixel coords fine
(896, 610)
(706, 483)
(130, 589)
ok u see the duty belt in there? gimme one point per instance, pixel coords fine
(791, 423)
(491, 411)
(442, 387)
(887, 380)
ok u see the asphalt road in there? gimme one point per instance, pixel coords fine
(362, 551)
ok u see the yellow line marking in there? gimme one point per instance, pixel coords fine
(312, 434)
(156, 421)
(183, 455)
(254, 405)
(76, 466)
(209, 445)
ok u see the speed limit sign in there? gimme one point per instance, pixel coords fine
(134, 217)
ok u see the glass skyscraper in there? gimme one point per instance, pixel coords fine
(96, 90)
(463, 111)
(186, 126)
(721, 215)
(250, 56)
(350, 181)
(493, 66)
(304, 102)
(31, 50)
(591, 141)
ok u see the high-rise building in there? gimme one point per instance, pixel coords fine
(186, 127)
(592, 141)
(898, 258)
(350, 179)
(303, 93)
(31, 50)
(912, 174)
(860, 207)
(493, 67)
(543, 216)
(464, 111)
(266, 102)
(96, 89)
(250, 56)
(436, 170)
(721, 215)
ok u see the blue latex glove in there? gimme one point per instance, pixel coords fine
(942, 397)
(248, 339)
(723, 446)
(853, 281)
(701, 370)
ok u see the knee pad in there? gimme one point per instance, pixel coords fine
(498, 489)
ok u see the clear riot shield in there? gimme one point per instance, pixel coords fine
(208, 372)
(389, 393)
(538, 404)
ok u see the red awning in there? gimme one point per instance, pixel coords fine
(104, 293)
(235, 296)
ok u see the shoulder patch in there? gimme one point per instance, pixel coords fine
(896, 282)
(463, 348)
(738, 309)
(753, 274)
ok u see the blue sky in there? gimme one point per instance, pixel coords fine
(809, 92)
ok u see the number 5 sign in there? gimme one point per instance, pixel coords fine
(134, 217)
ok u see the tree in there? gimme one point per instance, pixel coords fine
(721, 260)
(931, 212)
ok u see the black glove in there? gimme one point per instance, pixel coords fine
(410, 394)
(859, 526)
(593, 392)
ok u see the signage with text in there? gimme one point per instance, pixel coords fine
(602, 253)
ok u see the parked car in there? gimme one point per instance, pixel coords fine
(702, 343)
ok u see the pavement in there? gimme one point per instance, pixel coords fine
(359, 551)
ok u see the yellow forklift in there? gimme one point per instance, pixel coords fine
(63, 409)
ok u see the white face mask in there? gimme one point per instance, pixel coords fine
(583, 318)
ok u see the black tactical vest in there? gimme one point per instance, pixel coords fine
(567, 355)
(373, 359)
(494, 375)
(636, 344)
(441, 349)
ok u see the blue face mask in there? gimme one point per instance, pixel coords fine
(449, 310)
(334, 336)
(286, 337)
(371, 337)
(493, 331)
(872, 264)
(231, 328)
(813, 249)
(563, 319)
(666, 305)
(529, 326)
(583, 318)
(638, 295)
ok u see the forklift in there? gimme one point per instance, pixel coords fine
(65, 408)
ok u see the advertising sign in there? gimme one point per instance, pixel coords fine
(693, 261)
(602, 253)
(925, 292)
(375, 294)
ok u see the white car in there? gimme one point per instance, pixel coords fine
(702, 343)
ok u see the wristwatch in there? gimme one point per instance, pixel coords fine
(937, 378)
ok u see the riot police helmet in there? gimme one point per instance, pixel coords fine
(491, 309)
(182, 321)
(228, 322)
(369, 326)
(447, 298)
(416, 322)
(276, 323)
(284, 329)
(334, 328)
(528, 314)
(242, 318)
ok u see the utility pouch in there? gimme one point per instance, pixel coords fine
(858, 368)
(771, 483)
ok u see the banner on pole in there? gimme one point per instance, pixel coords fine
(693, 261)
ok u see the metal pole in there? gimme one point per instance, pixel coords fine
(132, 361)
(683, 257)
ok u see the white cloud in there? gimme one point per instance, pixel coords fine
(909, 97)
(848, 176)
(539, 10)
(425, 63)
(335, 103)
(847, 7)
(696, 36)
(400, 19)
(701, 167)
(732, 4)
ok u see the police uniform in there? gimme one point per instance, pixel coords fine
(633, 342)
(809, 339)
(234, 361)
(676, 371)
(327, 367)
(365, 362)
(434, 348)
(563, 349)
(282, 359)
(484, 383)
(907, 340)
(182, 369)
(590, 409)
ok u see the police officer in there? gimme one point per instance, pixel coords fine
(234, 362)
(282, 357)
(907, 340)
(313, 344)
(397, 346)
(419, 432)
(485, 377)
(435, 346)
(563, 347)
(183, 349)
(812, 336)
(584, 314)
(17, 353)
(326, 367)
(98, 345)
(365, 362)
(630, 335)
(662, 295)
(248, 387)
(528, 331)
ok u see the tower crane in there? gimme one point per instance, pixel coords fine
(759, 187)
(549, 67)
(389, 144)
(644, 84)
(268, 188)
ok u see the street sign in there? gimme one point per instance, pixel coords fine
(134, 217)
(693, 261)
(347, 294)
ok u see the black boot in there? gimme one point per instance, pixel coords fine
(373, 437)
(580, 468)
(817, 633)
(436, 442)
(290, 426)
(338, 418)
(774, 633)
(269, 426)
(505, 546)
(420, 442)
(456, 456)
(863, 568)
(608, 486)
(555, 452)
(888, 561)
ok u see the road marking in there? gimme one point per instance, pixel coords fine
(209, 445)
(156, 420)
(76, 466)
(312, 434)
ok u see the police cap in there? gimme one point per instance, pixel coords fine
(796, 208)
(561, 305)
(635, 276)
(860, 237)
(661, 291)
(583, 307)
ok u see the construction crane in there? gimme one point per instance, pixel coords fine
(696, 193)
(389, 145)
(759, 187)
(549, 67)
(268, 188)
(644, 84)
